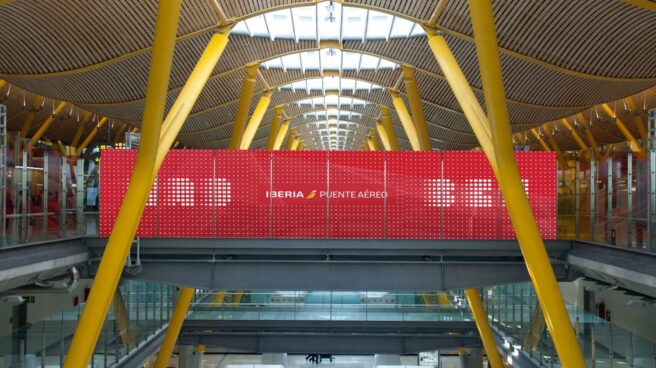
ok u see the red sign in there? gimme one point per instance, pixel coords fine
(321, 194)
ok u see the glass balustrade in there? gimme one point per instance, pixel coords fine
(141, 310)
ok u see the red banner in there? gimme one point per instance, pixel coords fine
(321, 194)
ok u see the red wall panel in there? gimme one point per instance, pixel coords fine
(297, 208)
(185, 195)
(356, 200)
(471, 196)
(115, 174)
(242, 179)
(283, 194)
(537, 170)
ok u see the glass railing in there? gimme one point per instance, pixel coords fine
(512, 310)
(607, 198)
(329, 306)
(141, 310)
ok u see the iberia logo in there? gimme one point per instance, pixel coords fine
(311, 195)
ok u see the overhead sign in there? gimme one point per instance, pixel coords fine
(321, 194)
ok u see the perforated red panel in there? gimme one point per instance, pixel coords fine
(186, 202)
(538, 172)
(357, 194)
(116, 170)
(298, 209)
(283, 194)
(242, 179)
(395, 214)
(420, 173)
(471, 196)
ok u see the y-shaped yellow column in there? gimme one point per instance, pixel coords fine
(519, 209)
(244, 106)
(125, 227)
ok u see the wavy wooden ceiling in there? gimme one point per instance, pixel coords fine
(558, 57)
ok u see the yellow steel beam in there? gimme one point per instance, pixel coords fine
(128, 337)
(295, 143)
(46, 124)
(34, 109)
(275, 127)
(406, 120)
(382, 133)
(575, 134)
(637, 119)
(483, 326)
(517, 204)
(280, 136)
(374, 139)
(62, 149)
(559, 154)
(588, 132)
(170, 128)
(645, 4)
(461, 90)
(290, 139)
(172, 332)
(193, 87)
(414, 97)
(80, 130)
(90, 136)
(370, 144)
(536, 327)
(256, 119)
(633, 144)
(247, 89)
(544, 144)
(113, 259)
(389, 127)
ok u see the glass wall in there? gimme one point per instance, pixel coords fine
(139, 310)
(513, 310)
(608, 198)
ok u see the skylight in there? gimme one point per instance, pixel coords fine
(327, 20)
(333, 134)
(331, 84)
(332, 113)
(329, 59)
(332, 100)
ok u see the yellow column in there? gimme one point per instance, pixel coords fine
(256, 119)
(90, 136)
(29, 119)
(290, 139)
(113, 259)
(172, 332)
(383, 135)
(483, 326)
(519, 209)
(637, 119)
(406, 120)
(633, 144)
(575, 134)
(295, 144)
(588, 133)
(275, 127)
(80, 129)
(127, 336)
(415, 106)
(542, 142)
(46, 124)
(559, 154)
(463, 92)
(244, 106)
(389, 127)
(374, 139)
(280, 136)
